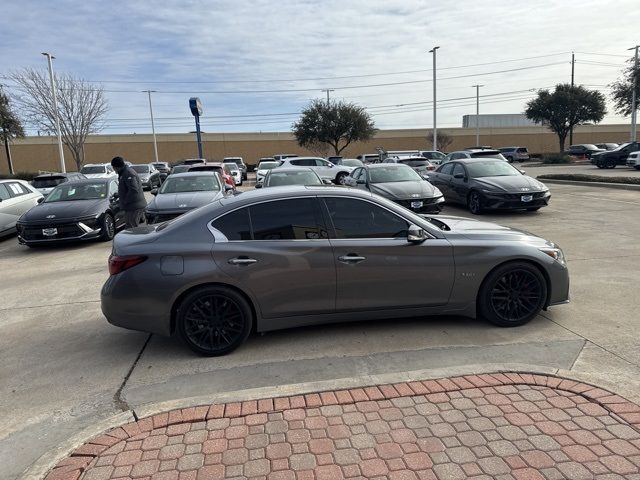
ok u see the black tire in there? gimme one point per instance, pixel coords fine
(201, 326)
(512, 294)
(340, 178)
(610, 163)
(533, 209)
(108, 228)
(510, 159)
(599, 165)
(474, 202)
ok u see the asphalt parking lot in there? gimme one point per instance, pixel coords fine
(63, 367)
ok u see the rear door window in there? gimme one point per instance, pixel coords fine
(458, 168)
(446, 169)
(234, 225)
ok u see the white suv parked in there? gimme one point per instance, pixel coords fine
(99, 170)
(324, 168)
(633, 160)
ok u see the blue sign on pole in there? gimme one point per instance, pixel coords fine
(195, 105)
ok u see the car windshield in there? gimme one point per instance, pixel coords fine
(180, 169)
(434, 155)
(233, 167)
(393, 174)
(352, 162)
(204, 183)
(267, 165)
(95, 169)
(277, 179)
(415, 162)
(482, 168)
(83, 191)
(160, 165)
(488, 153)
(141, 168)
(620, 147)
(48, 182)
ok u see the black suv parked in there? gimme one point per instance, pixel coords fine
(615, 157)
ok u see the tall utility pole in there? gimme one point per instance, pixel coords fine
(328, 90)
(55, 109)
(573, 67)
(5, 139)
(153, 127)
(477, 87)
(435, 128)
(634, 107)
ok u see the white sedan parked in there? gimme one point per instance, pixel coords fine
(324, 168)
(16, 198)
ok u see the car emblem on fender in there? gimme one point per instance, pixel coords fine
(525, 189)
(183, 205)
(51, 216)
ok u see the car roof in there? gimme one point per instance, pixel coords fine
(291, 169)
(82, 181)
(194, 173)
(385, 165)
(475, 160)
(232, 158)
(206, 164)
(95, 164)
(50, 175)
(302, 158)
(288, 191)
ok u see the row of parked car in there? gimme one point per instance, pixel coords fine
(608, 155)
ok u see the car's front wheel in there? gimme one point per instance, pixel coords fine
(474, 203)
(214, 321)
(108, 228)
(341, 178)
(512, 294)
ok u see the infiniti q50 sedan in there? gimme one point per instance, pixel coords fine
(291, 256)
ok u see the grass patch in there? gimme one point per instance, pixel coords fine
(556, 159)
(581, 177)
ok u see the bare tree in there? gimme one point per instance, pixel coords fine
(10, 125)
(444, 139)
(82, 107)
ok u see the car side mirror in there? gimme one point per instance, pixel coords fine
(416, 234)
(40, 200)
(326, 181)
(154, 191)
(523, 172)
(258, 185)
(227, 187)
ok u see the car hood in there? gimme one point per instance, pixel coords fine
(404, 190)
(99, 175)
(510, 184)
(183, 201)
(65, 210)
(481, 230)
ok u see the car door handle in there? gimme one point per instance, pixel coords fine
(351, 258)
(242, 261)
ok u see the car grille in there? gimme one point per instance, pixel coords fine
(65, 230)
(407, 203)
(517, 196)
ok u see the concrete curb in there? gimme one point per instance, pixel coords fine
(39, 469)
(46, 462)
(619, 186)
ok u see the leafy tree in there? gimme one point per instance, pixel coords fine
(82, 107)
(566, 107)
(334, 124)
(444, 140)
(622, 90)
(10, 127)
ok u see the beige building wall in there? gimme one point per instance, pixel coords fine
(34, 154)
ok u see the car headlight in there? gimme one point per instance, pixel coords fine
(555, 253)
(437, 192)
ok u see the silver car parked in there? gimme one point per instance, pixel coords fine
(285, 257)
(16, 197)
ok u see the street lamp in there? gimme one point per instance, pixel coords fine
(633, 96)
(153, 127)
(477, 87)
(55, 110)
(435, 129)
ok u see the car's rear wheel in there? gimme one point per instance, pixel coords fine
(214, 321)
(611, 163)
(474, 203)
(512, 294)
(510, 159)
(108, 228)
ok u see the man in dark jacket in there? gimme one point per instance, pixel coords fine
(130, 193)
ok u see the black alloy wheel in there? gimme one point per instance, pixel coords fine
(512, 294)
(214, 321)
(108, 228)
(474, 202)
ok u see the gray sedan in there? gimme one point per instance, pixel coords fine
(286, 257)
(182, 192)
(280, 177)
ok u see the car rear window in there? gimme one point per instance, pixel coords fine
(48, 182)
(415, 163)
(522, 150)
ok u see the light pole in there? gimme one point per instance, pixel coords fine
(477, 87)
(633, 96)
(435, 128)
(55, 110)
(153, 127)
(328, 90)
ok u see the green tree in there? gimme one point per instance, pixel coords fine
(622, 90)
(334, 124)
(565, 108)
(10, 127)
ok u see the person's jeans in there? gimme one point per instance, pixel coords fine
(133, 218)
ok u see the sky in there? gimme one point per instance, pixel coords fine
(256, 64)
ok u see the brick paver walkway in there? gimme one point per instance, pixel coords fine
(498, 426)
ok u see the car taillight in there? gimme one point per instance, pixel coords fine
(118, 264)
